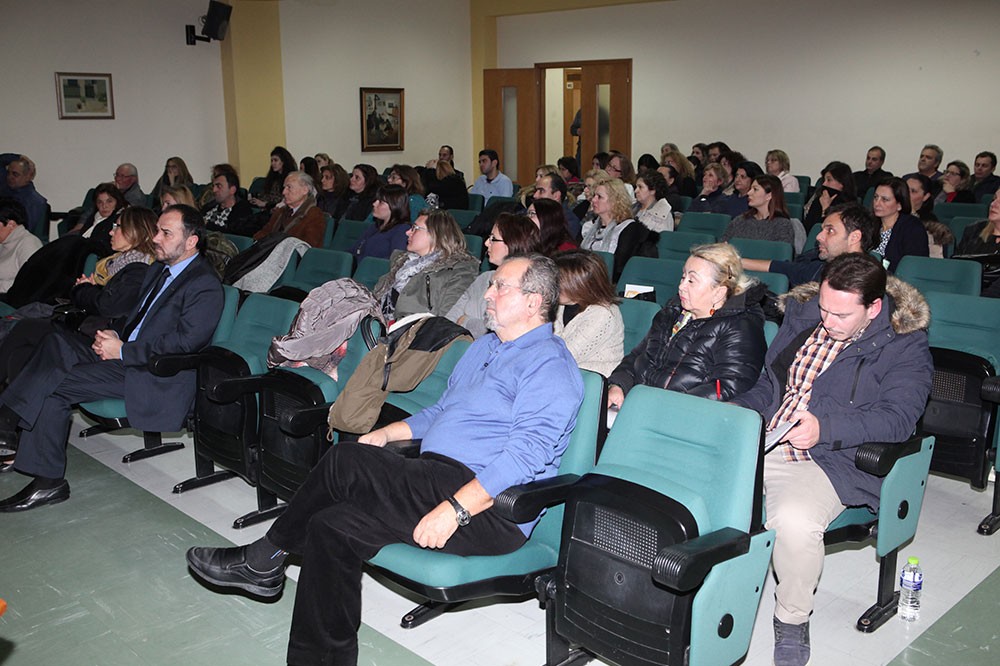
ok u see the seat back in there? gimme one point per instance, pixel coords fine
(259, 319)
(257, 185)
(713, 224)
(953, 276)
(318, 266)
(678, 244)
(474, 244)
(685, 203)
(945, 211)
(770, 331)
(795, 198)
(497, 200)
(609, 260)
(241, 242)
(638, 317)
(429, 390)
(347, 234)
(776, 282)
(464, 217)
(369, 270)
(805, 184)
(90, 264)
(958, 224)
(811, 238)
(476, 202)
(662, 274)
(417, 204)
(230, 305)
(752, 248)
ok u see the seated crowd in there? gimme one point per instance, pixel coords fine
(547, 303)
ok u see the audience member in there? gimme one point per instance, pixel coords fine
(180, 308)
(108, 204)
(363, 184)
(446, 154)
(310, 166)
(737, 203)
(389, 230)
(379, 497)
(686, 184)
(299, 217)
(17, 243)
(667, 147)
(323, 160)
(730, 161)
(543, 170)
(582, 207)
(901, 233)
(333, 198)
(229, 213)
(447, 184)
(985, 183)
(700, 150)
(673, 197)
(711, 199)
(849, 365)
(847, 228)
(778, 165)
(270, 195)
(983, 237)
(956, 186)
(588, 319)
(175, 172)
(20, 186)
(613, 229)
(646, 162)
(552, 186)
(620, 166)
(432, 273)
(512, 236)
(127, 181)
(928, 162)
(407, 177)
(837, 187)
(569, 170)
(715, 150)
(939, 235)
(874, 174)
(492, 183)
(708, 341)
(767, 217)
(171, 195)
(600, 161)
(652, 207)
(554, 235)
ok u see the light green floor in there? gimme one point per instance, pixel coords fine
(101, 579)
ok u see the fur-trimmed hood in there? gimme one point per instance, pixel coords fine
(910, 312)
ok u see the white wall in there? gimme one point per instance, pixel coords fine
(331, 48)
(820, 80)
(168, 96)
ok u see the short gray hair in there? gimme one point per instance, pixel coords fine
(132, 171)
(541, 277)
(306, 180)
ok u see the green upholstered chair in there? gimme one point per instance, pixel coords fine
(713, 224)
(464, 217)
(662, 274)
(348, 232)
(678, 244)
(945, 211)
(638, 318)
(752, 248)
(241, 242)
(952, 276)
(776, 282)
(476, 202)
(369, 270)
(316, 267)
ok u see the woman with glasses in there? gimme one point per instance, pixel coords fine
(588, 319)
(708, 340)
(432, 273)
(175, 172)
(111, 291)
(901, 233)
(620, 167)
(511, 235)
(956, 184)
(391, 212)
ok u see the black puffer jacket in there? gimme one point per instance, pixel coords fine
(729, 346)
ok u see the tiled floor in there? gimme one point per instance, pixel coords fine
(954, 558)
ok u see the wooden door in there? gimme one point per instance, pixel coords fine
(512, 120)
(606, 100)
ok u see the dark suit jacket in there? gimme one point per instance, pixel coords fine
(181, 321)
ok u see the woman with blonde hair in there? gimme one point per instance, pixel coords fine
(432, 273)
(175, 172)
(778, 165)
(708, 340)
(613, 228)
(171, 195)
(687, 184)
(445, 182)
(588, 319)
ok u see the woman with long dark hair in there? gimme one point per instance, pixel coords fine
(282, 164)
(363, 184)
(175, 172)
(901, 233)
(837, 188)
(391, 211)
(550, 219)
(332, 197)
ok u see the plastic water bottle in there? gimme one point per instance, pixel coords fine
(911, 579)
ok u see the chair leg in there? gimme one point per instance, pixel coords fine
(423, 613)
(887, 602)
(558, 651)
(96, 430)
(205, 474)
(153, 446)
(258, 516)
(991, 523)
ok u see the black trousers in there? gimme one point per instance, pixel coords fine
(19, 346)
(356, 500)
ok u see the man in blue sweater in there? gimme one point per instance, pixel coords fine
(505, 419)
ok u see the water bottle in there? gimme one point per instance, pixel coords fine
(911, 579)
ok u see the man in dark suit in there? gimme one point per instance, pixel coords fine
(178, 311)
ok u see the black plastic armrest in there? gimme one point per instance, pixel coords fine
(65, 309)
(990, 390)
(408, 448)
(878, 458)
(302, 422)
(230, 390)
(523, 503)
(169, 365)
(684, 566)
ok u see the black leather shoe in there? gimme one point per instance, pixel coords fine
(8, 443)
(6, 466)
(32, 497)
(227, 567)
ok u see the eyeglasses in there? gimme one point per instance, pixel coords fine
(116, 225)
(504, 287)
(532, 213)
(494, 239)
(417, 227)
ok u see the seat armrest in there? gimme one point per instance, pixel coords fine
(523, 503)
(65, 309)
(991, 389)
(169, 365)
(684, 566)
(230, 390)
(878, 458)
(302, 422)
(408, 448)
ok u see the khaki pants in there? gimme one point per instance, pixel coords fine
(800, 502)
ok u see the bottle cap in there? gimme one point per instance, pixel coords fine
(913, 560)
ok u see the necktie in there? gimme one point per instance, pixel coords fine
(150, 297)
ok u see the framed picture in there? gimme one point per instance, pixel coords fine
(84, 95)
(381, 119)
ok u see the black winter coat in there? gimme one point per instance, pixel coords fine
(729, 347)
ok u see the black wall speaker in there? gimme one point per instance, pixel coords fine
(217, 20)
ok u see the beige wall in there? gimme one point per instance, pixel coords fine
(168, 96)
(330, 49)
(822, 81)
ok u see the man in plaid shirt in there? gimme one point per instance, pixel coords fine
(850, 365)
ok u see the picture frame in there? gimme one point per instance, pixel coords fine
(85, 96)
(382, 121)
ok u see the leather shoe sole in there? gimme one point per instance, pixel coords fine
(227, 567)
(8, 443)
(32, 497)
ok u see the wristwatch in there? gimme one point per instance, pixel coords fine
(462, 516)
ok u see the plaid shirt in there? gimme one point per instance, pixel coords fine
(811, 360)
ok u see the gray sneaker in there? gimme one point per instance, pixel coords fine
(791, 644)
